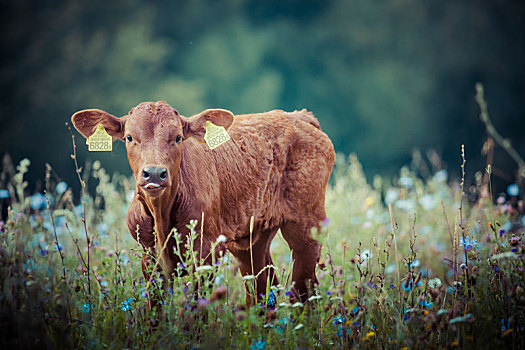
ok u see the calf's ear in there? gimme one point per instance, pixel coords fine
(194, 126)
(86, 122)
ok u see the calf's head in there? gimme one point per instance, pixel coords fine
(154, 134)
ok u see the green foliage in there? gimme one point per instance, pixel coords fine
(437, 279)
(398, 72)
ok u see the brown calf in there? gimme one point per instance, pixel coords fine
(275, 168)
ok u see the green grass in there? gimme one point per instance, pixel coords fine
(415, 292)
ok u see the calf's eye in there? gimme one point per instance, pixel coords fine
(178, 139)
(129, 138)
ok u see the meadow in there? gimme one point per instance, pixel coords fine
(417, 262)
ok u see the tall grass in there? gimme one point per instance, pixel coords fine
(423, 274)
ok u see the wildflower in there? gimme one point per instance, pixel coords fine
(355, 310)
(500, 200)
(221, 239)
(508, 225)
(434, 283)
(467, 243)
(126, 304)
(513, 190)
(365, 255)
(202, 303)
(325, 222)
(451, 290)
(342, 331)
(86, 308)
(258, 345)
(339, 319)
(38, 201)
(288, 293)
(61, 187)
(425, 303)
(391, 196)
(392, 286)
(428, 202)
(441, 176)
(390, 268)
(44, 252)
(514, 241)
(281, 327)
(271, 299)
(405, 204)
(406, 181)
(369, 335)
(415, 263)
(4, 194)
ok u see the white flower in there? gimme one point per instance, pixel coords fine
(428, 202)
(434, 283)
(391, 196)
(221, 239)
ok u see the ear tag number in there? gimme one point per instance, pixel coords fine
(100, 140)
(215, 135)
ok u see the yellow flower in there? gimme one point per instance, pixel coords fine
(369, 335)
(369, 201)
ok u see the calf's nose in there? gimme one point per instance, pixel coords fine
(154, 175)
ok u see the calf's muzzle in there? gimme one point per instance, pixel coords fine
(154, 177)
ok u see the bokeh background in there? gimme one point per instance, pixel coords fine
(383, 77)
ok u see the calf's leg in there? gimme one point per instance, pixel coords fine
(305, 253)
(262, 262)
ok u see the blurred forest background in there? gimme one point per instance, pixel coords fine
(383, 77)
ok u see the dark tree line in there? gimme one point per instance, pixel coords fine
(384, 77)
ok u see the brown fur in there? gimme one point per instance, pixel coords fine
(275, 168)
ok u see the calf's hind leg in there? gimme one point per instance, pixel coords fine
(261, 260)
(305, 253)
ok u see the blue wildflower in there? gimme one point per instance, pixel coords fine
(281, 327)
(513, 190)
(339, 319)
(126, 304)
(342, 331)
(61, 187)
(44, 252)
(38, 201)
(288, 293)
(258, 345)
(406, 181)
(425, 303)
(467, 243)
(392, 286)
(4, 194)
(451, 289)
(441, 176)
(86, 308)
(271, 299)
(355, 310)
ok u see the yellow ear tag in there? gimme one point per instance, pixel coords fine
(215, 135)
(100, 140)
